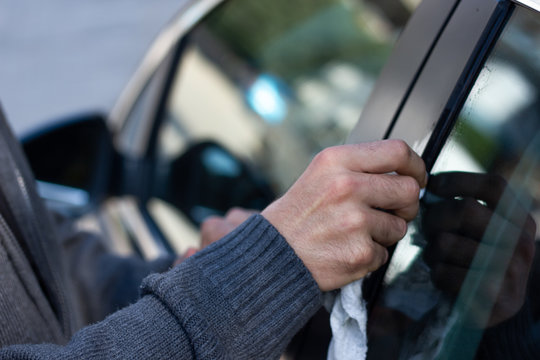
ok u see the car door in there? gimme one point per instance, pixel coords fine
(463, 282)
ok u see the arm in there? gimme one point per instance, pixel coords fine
(103, 282)
(217, 302)
(246, 295)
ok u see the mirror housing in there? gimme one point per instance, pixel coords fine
(207, 179)
(72, 161)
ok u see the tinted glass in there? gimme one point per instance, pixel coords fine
(268, 83)
(464, 283)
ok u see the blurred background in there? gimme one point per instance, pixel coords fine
(60, 57)
(230, 115)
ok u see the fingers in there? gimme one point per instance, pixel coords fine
(362, 257)
(486, 187)
(391, 192)
(451, 249)
(378, 158)
(216, 227)
(378, 256)
(469, 218)
(385, 229)
(490, 188)
(237, 215)
(213, 229)
(369, 165)
(390, 156)
(460, 251)
(450, 279)
(333, 214)
(466, 217)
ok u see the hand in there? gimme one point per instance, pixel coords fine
(456, 231)
(346, 208)
(216, 227)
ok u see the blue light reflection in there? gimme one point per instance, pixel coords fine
(265, 98)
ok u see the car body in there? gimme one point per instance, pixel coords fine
(234, 99)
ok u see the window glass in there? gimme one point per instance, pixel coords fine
(261, 87)
(464, 283)
(136, 129)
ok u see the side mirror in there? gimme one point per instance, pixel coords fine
(209, 180)
(72, 161)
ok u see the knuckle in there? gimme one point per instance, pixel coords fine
(393, 230)
(353, 222)
(412, 212)
(342, 185)
(360, 257)
(400, 226)
(410, 188)
(401, 149)
(211, 224)
(326, 156)
(359, 219)
(234, 212)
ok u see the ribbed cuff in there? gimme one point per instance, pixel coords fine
(161, 264)
(244, 296)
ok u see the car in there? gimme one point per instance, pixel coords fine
(235, 97)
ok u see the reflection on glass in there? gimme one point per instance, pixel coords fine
(265, 98)
(273, 82)
(464, 283)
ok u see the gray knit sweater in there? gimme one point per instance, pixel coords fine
(243, 297)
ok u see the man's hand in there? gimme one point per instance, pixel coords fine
(346, 208)
(216, 227)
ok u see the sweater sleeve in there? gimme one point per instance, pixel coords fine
(243, 297)
(103, 282)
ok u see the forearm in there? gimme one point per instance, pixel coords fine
(103, 282)
(250, 292)
(241, 298)
(142, 330)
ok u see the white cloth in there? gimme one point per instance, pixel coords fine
(348, 319)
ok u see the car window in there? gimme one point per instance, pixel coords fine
(261, 87)
(136, 128)
(464, 283)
